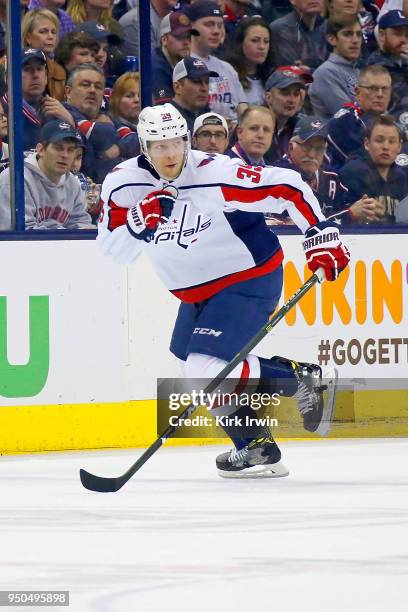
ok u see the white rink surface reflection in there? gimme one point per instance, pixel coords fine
(332, 537)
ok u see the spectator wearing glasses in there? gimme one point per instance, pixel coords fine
(191, 83)
(306, 154)
(175, 45)
(210, 133)
(346, 130)
(335, 80)
(376, 175)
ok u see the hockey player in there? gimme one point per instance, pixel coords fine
(212, 249)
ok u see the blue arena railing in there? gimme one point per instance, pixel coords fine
(15, 94)
(145, 59)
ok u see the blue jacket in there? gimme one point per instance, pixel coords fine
(162, 78)
(346, 134)
(98, 137)
(293, 41)
(360, 176)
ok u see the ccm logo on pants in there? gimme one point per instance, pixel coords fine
(207, 331)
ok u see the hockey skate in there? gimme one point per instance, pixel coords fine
(258, 459)
(315, 397)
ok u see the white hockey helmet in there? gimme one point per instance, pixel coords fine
(161, 122)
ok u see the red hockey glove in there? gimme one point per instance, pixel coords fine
(144, 218)
(323, 248)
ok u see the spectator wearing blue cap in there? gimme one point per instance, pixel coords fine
(299, 37)
(306, 154)
(109, 57)
(56, 6)
(53, 196)
(226, 91)
(376, 176)
(393, 54)
(175, 45)
(38, 107)
(335, 80)
(191, 83)
(285, 95)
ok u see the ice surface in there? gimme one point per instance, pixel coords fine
(332, 537)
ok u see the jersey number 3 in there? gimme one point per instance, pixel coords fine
(251, 172)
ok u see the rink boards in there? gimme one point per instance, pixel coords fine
(83, 341)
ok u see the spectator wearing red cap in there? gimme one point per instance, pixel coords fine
(175, 45)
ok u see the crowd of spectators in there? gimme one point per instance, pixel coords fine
(318, 86)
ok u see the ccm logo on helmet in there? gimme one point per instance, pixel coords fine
(320, 239)
(207, 331)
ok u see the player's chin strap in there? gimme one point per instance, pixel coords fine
(111, 484)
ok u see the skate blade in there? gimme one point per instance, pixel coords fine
(331, 376)
(268, 470)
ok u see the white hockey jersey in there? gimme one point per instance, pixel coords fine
(216, 235)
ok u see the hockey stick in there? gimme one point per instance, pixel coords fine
(104, 485)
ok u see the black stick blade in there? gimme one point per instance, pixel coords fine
(99, 483)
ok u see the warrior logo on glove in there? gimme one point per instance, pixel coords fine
(324, 249)
(156, 208)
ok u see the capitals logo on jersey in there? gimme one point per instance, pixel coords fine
(184, 232)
